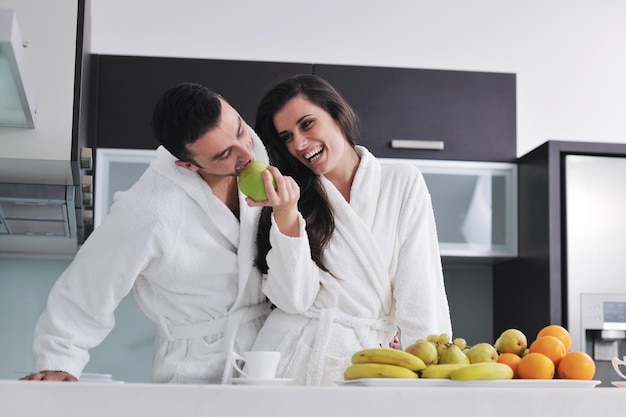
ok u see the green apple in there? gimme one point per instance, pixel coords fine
(251, 181)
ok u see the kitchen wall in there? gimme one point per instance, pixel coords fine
(24, 288)
(566, 55)
(127, 352)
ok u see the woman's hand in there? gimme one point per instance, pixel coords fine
(283, 200)
(49, 376)
(396, 344)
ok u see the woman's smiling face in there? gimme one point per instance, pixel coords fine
(312, 136)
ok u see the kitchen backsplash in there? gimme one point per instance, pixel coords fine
(127, 351)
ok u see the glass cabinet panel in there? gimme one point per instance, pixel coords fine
(475, 203)
(475, 206)
(116, 170)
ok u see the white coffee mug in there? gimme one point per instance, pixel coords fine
(258, 364)
(616, 362)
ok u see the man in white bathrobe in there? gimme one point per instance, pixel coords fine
(182, 240)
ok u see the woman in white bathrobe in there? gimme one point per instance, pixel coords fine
(349, 249)
(182, 239)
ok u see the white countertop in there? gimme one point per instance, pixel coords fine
(30, 398)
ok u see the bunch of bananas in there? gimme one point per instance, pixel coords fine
(468, 372)
(393, 363)
(383, 363)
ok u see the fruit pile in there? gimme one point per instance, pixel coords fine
(393, 363)
(547, 357)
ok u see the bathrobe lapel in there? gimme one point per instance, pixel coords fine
(354, 224)
(227, 226)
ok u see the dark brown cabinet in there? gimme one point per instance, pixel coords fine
(471, 113)
(127, 87)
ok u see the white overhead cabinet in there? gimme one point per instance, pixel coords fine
(475, 203)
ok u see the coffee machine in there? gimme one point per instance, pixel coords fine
(603, 332)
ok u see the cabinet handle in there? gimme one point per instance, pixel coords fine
(86, 159)
(433, 145)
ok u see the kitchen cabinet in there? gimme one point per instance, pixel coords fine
(475, 203)
(471, 114)
(117, 170)
(43, 166)
(475, 207)
(531, 290)
(127, 88)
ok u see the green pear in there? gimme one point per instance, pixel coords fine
(482, 352)
(251, 181)
(450, 353)
(511, 341)
(424, 350)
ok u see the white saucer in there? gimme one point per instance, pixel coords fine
(619, 384)
(261, 381)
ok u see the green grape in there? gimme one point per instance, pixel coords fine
(433, 338)
(460, 342)
(443, 338)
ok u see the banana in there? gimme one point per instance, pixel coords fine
(441, 370)
(377, 370)
(389, 356)
(481, 371)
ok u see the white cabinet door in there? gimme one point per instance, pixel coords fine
(475, 203)
(116, 170)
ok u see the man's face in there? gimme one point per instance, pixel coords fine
(225, 149)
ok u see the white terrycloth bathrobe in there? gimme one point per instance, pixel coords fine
(189, 262)
(385, 257)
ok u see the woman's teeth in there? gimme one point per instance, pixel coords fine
(314, 153)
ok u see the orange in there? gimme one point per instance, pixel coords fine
(512, 360)
(576, 365)
(550, 346)
(559, 332)
(536, 366)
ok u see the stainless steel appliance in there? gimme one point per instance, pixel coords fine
(603, 331)
(572, 235)
(596, 263)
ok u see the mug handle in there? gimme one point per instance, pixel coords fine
(616, 362)
(234, 357)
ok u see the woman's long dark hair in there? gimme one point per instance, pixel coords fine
(313, 203)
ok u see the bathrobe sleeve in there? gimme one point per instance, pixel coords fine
(81, 305)
(293, 280)
(421, 305)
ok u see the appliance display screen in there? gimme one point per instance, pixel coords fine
(614, 312)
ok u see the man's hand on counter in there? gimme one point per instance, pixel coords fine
(50, 376)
